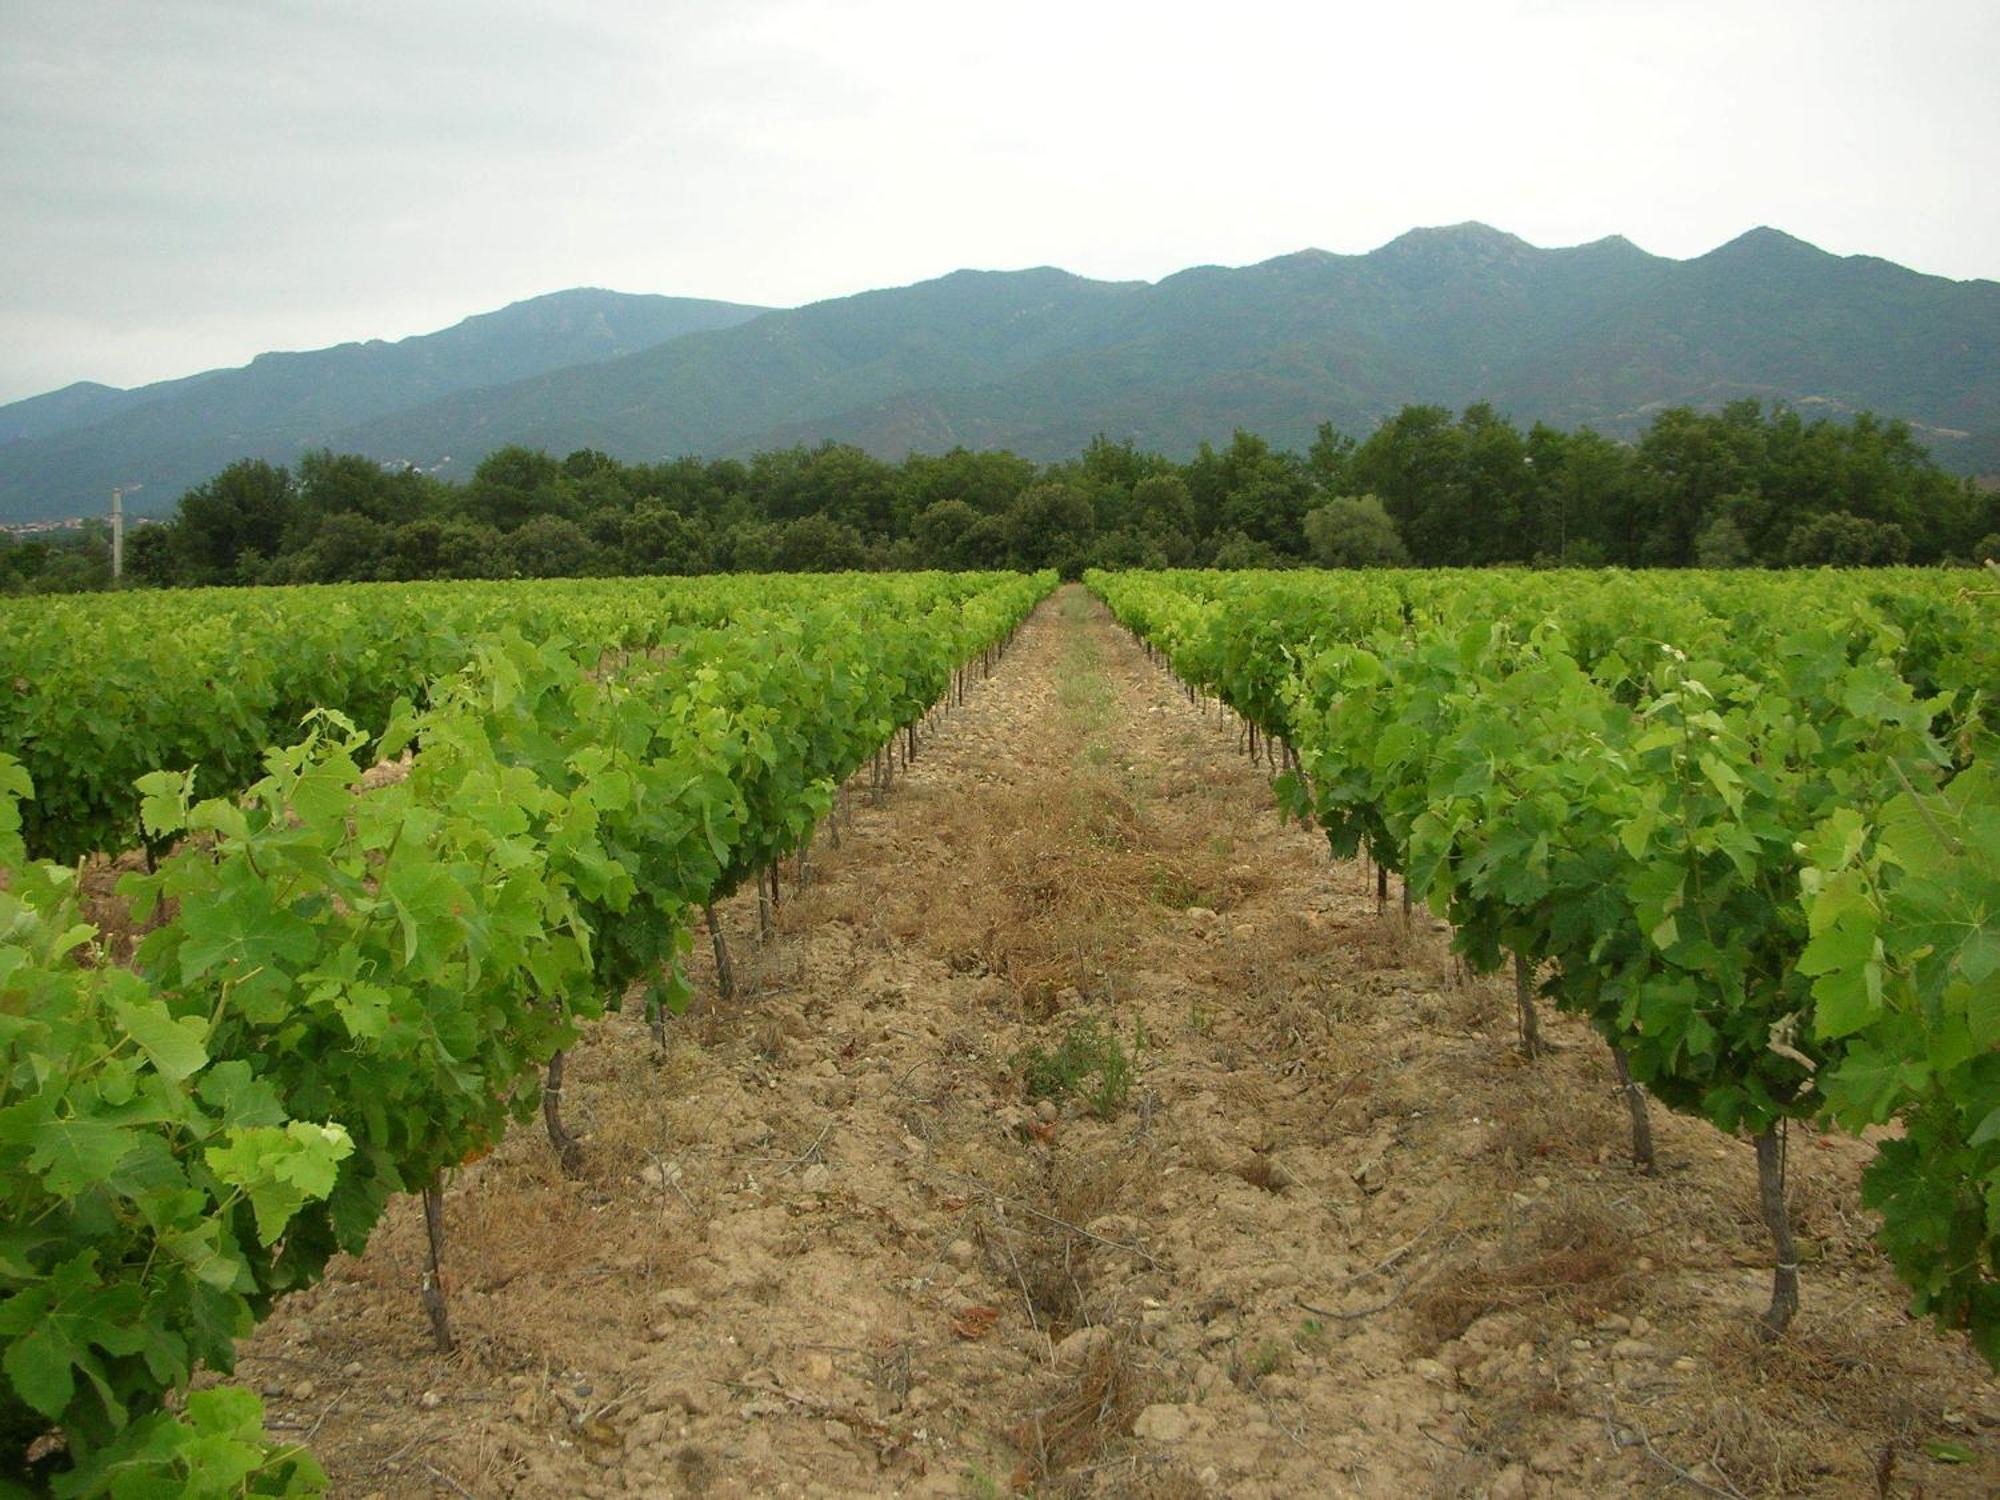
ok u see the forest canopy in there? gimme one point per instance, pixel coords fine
(1743, 487)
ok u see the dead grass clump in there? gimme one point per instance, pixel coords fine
(1573, 1259)
(1385, 941)
(1105, 817)
(1082, 1188)
(1054, 1273)
(1089, 1413)
(1536, 1122)
(1045, 1258)
(1472, 1008)
(1779, 1417)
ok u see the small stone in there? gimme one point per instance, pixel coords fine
(1161, 1423)
(1511, 1483)
(1045, 1111)
(1684, 1364)
(919, 1398)
(816, 1178)
(1579, 1343)
(1075, 1349)
(1641, 1326)
(961, 1253)
(351, 1369)
(430, 1401)
(1643, 1265)
(839, 1432)
(305, 1390)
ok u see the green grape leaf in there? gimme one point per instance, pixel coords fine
(176, 1047)
(280, 1170)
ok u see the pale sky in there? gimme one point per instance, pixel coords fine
(184, 183)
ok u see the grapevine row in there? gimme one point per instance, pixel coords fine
(96, 691)
(342, 996)
(1745, 828)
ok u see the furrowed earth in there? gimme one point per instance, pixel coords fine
(1081, 1129)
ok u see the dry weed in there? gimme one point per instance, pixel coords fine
(1573, 1258)
(1089, 1413)
(1770, 1416)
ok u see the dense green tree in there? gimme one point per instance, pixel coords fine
(514, 485)
(469, 549)
(1580, 495)
(940, 532)
(1354, 531)
(817, 544)
(347, 546)
(1840, 540)
(234, 522)
(1330, 460)
(1232, 549)
(547, 546)
(1721, 544)
(988, 482)
(149, 555)
(655, 538)
(1415, 462)
(1051, 525)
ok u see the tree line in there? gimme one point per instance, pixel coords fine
(1742, 487)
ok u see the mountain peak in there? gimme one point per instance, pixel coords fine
(1470, 237)
(1766, 243)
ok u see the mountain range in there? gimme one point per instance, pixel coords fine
(1040, 360)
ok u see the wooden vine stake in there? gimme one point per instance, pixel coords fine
(1524, 997)
(433, 1282)
(725, 973)
(1635, 1101)
(569, 1150)
(1771, 1198)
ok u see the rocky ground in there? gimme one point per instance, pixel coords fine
(1080, 1129)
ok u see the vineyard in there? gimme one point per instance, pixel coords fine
(951, 1073)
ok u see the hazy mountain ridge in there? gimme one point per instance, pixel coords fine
(1040, 360)
(61, 453)
(1602, 333)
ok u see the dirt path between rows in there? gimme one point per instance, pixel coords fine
(1289, 1218)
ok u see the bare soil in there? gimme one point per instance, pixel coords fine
(1332, 1236)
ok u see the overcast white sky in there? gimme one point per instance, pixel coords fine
(184, 183)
